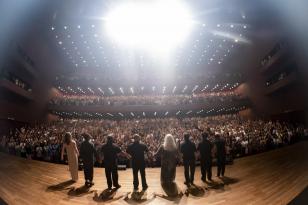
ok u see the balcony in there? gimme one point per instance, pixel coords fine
(7, 86)
(145, 108)
(274, 61)
(25, 65)
(288, 80)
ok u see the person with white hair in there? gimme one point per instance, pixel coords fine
(168, 153)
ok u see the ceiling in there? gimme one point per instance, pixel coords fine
(223, 42)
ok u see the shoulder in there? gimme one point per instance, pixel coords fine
(130, 146)
(116, 146)
(91, 144)
(160, 149)
(144, 146)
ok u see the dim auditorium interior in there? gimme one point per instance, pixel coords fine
(235, 69)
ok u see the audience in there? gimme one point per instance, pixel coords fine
(86, 100)
(243, 137)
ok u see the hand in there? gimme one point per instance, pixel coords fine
(128, 156)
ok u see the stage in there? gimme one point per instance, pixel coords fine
(274, 177)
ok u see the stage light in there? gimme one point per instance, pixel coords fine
(156, 25)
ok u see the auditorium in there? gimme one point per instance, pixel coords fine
(129, 102)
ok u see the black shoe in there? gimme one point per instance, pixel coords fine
(145, 188)
(87, 183)
(136, 189)
(118, 186)
(187, 184)
(203, 179)
(109, 188)
(91, 184)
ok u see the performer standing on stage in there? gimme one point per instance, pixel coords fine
(169, 156)
(188, 149)
(205, 149)
(137, 151)
(72, 155)
(221, 155)
(87, 153)
(110, 153)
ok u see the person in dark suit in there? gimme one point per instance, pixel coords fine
(87, 153)
(188, 150)
(221, 155)
(205, 150)
(110, 153)
(137, 150)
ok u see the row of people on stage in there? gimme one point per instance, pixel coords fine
(243, 137)
(169, 154)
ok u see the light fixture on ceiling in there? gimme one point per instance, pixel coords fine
(157, 25)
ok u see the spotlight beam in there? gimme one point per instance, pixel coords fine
(157, 25)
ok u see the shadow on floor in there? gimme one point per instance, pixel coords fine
(138, 198)
(195, 190)
(215, 185)
(222, 184)
(107, 195)
(80, 191)
(61, 186)
(229, 180)
(173, 193)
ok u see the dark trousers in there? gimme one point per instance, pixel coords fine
(112, 175)
(221, 162)
(206, 169)
(189, 165)
(136, 169)
(88, 171)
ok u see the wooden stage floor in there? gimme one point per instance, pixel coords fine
(274, 177)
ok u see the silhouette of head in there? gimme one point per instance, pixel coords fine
(204, 135)
(110, 139)
(186, 137)
(67, 138)
(136, 138)
(169, 143)
(86, 136)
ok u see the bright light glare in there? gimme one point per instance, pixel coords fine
(158, 25)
